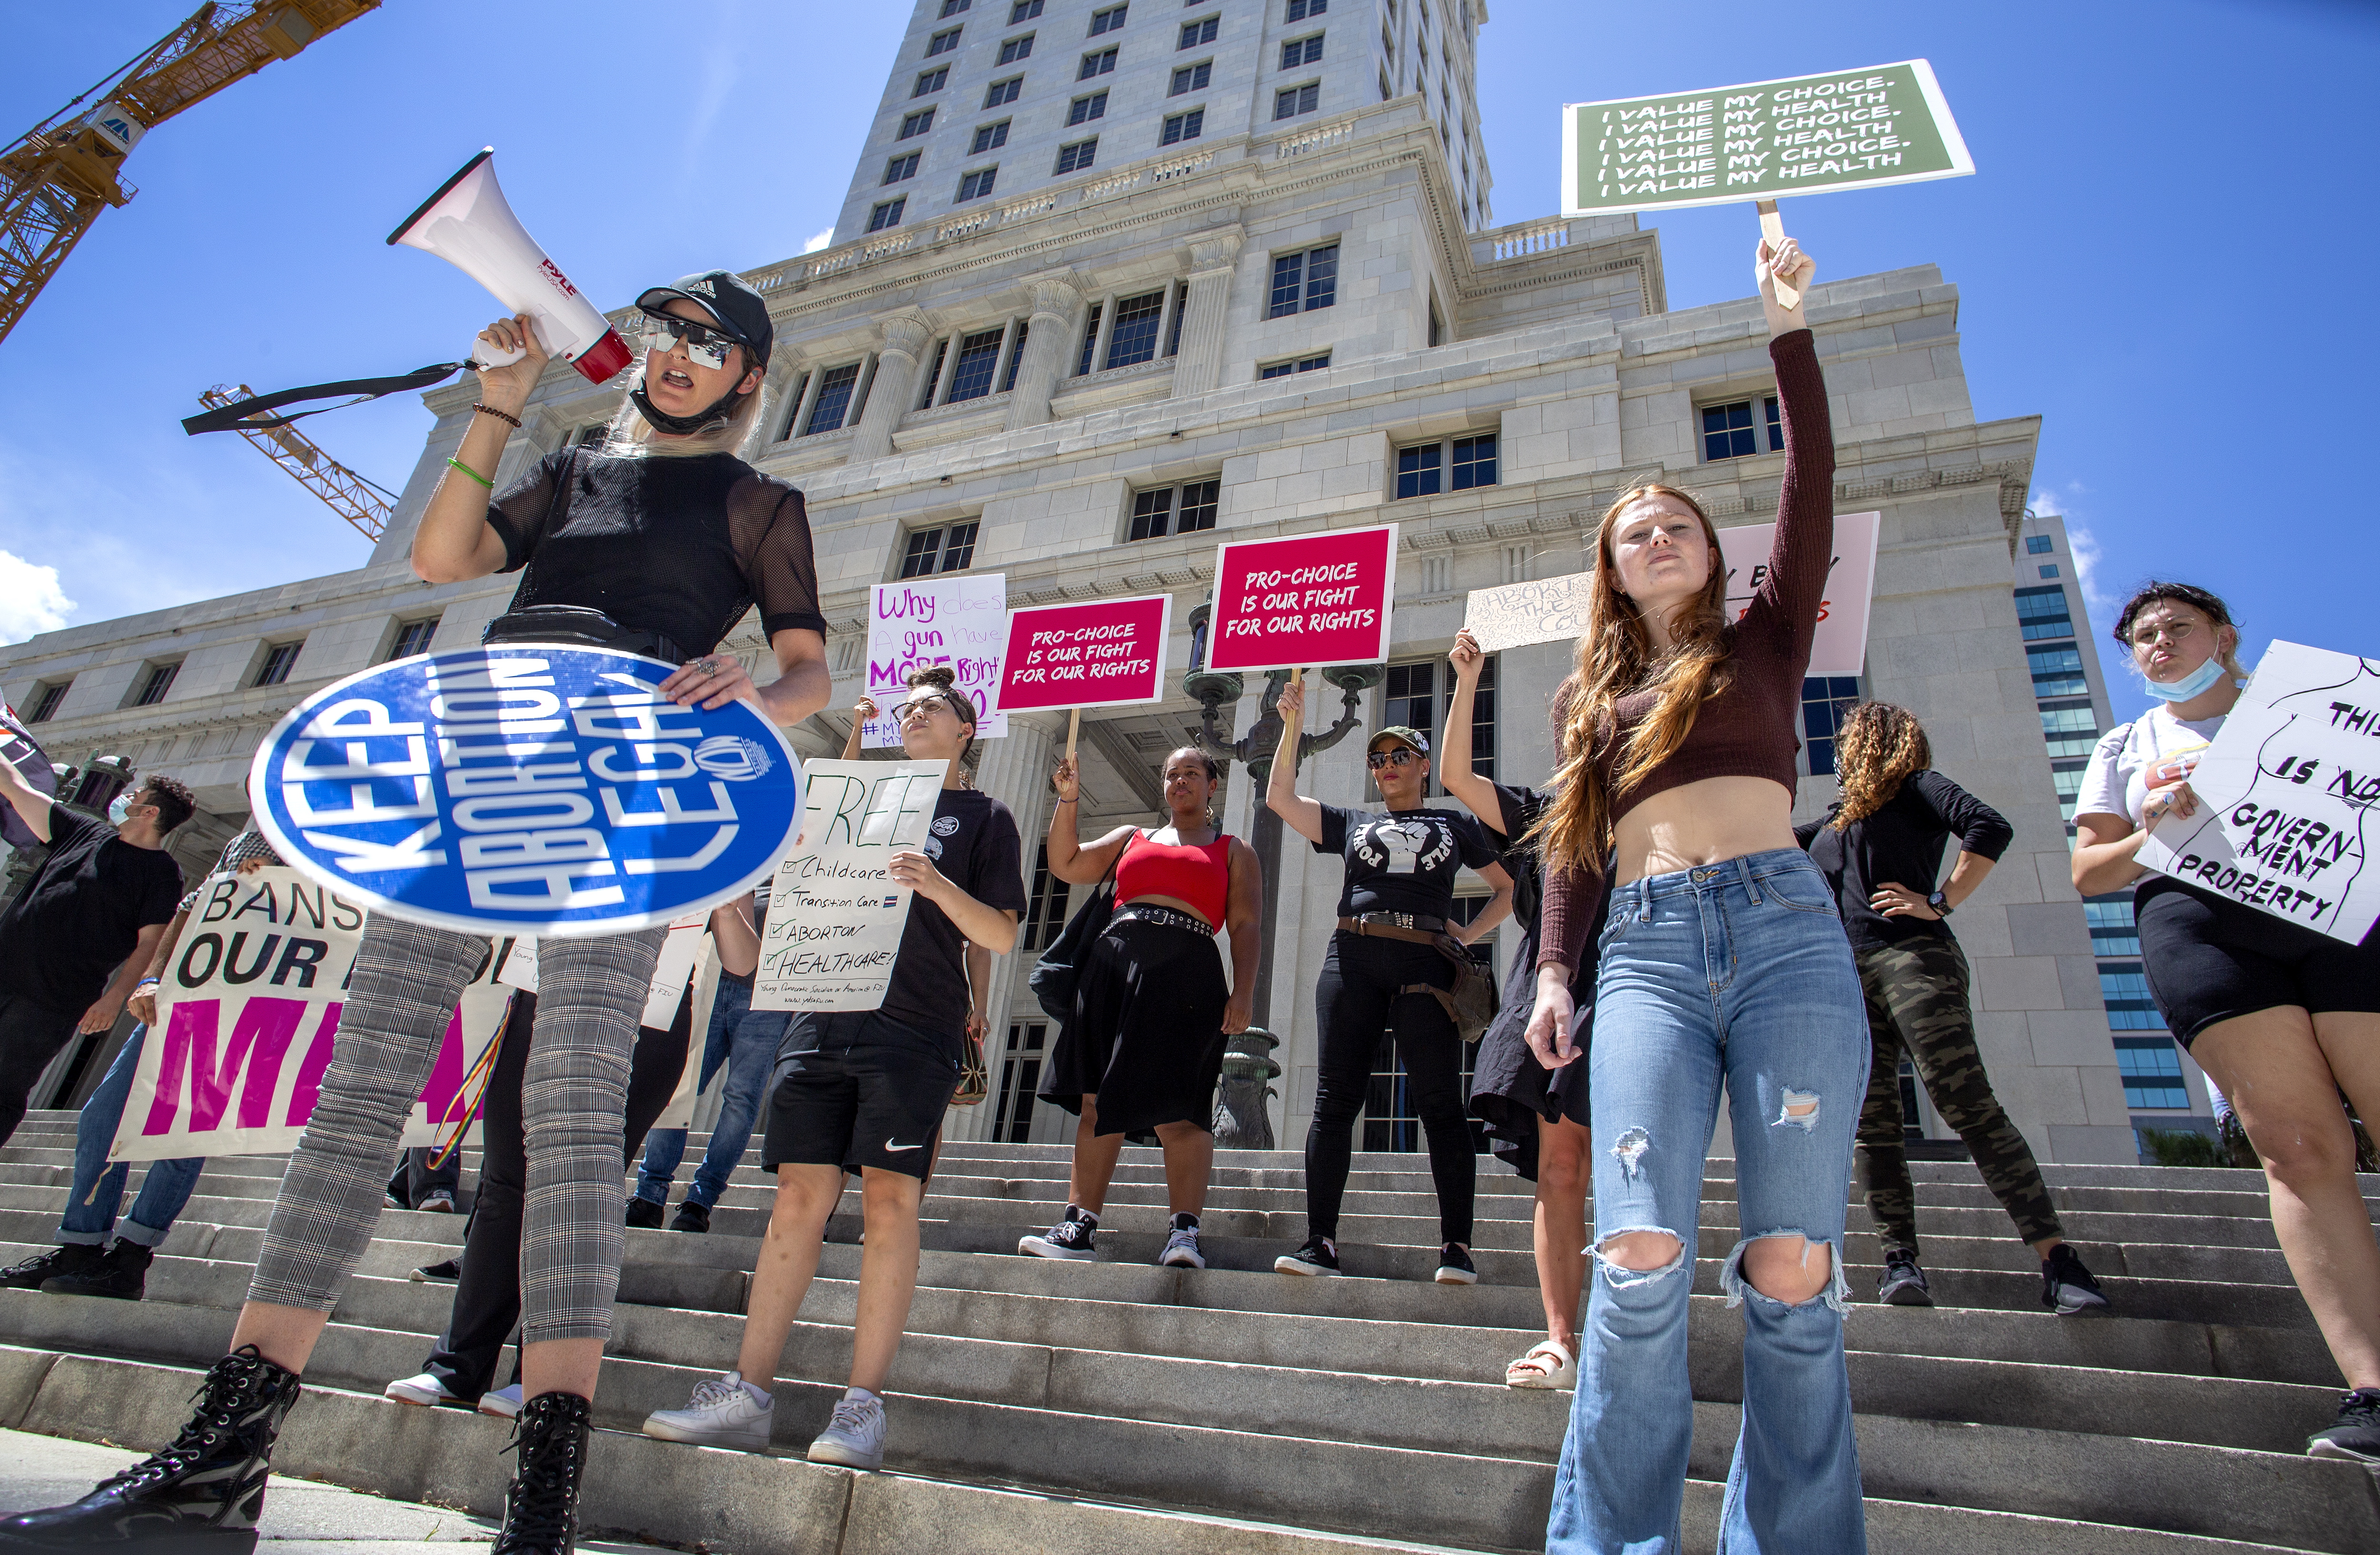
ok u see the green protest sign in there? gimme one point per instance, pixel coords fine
(1806, 135)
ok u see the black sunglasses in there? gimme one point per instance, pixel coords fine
(1400, 757)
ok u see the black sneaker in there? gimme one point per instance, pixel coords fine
(121, 1275)
(2357, 1435)
(1454, 1266)
(1904, 1283)
(71, 1258)
(450, 1269)
(1070, 1238)
(691, 1216)
(2067, 1287)
(1319, 1255)
(643, 1212)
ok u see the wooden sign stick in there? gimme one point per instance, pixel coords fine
(1073, 728)
(1772, 228)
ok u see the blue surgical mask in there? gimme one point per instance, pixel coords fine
(119, 809)
(2189, 686)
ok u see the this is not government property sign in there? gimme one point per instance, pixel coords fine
(1853, 129)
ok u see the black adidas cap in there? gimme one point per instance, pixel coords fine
(728, 299)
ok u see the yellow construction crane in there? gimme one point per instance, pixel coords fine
(62, 173)
(349, 494)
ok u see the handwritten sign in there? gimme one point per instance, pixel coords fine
(1309, 600)
(2286, 796)
(924, 622)
(836, 915)
(1804, 135)
(246, 1014)
(1543, 610)
(1106, 653)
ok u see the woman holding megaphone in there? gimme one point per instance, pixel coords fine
(657, 542)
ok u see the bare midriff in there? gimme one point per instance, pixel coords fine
(1706, 822)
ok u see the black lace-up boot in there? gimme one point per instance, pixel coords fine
(202, 1494)
(541, 1503)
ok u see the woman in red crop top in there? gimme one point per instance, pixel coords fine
(1146, 1046)
(1722, 967)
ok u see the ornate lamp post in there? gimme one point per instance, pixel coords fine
(1241, 1120)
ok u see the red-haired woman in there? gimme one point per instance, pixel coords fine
(1723, 965)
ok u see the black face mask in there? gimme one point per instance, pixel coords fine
(701, 420)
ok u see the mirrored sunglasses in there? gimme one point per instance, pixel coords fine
(1402, 755)
(705, 347)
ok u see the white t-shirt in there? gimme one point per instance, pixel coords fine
(2132, 759)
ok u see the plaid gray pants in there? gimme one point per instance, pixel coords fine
(406, 979)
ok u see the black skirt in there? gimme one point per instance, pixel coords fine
(1148, 1033)
(1509, 1089)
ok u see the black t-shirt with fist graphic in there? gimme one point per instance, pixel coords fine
(974, 841)
(1402, 861)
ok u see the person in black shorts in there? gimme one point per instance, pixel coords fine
(1397, 940)
(865, 1091)
(2283, 1018)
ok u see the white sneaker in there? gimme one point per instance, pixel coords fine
(423, 1390)
(505, 1404)
(724, 1413)
(1181, 1245)
(854, 1438)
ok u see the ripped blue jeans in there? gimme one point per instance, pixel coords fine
(1734, 975)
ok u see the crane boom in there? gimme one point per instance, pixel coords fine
(57, 176)
(349, 495)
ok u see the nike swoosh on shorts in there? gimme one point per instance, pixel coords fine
(890, 1146)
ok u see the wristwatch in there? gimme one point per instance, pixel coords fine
(1939, 903)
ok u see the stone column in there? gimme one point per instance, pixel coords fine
(1213, 257)
(1057, 311)
(1014, 770)
(906, 334)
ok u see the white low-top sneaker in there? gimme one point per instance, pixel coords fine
(725, 1412)
(424, 1390)
(854, 1438)
(505, 1404)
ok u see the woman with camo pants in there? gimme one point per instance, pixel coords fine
(1880, 847)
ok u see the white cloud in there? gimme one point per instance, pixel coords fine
(2062, 504)
(820, 241)
(31, 600)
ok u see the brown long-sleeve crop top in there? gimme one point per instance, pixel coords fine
(1748, 729)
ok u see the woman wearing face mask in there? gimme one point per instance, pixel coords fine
(2281, 1018)
(1146, 1046)
(658, 543)
(1722, 966)
(1395, 909)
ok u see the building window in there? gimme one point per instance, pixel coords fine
(1017, 357)
(1300, 9)
(1826, 700)
(2152, 1072)
(1073, 158)
(1045, 905)
(1422, 466)
(943, 43)
(978, 359)
(988, 138)
(1483, 721)
(2067, 778)
(2070, 731)
(1306, 280)
(2049, 569)
(1192, 77)
(1014, 49)
(1134, 339)
(1293, 101)
(2041, 612)
(1198, 34)
(2125, 989)
(2114, 930)
(1299, 53)
(1023, 10)
(1084, 109)
(975, 184)
(1181, 307)
(45, 702)
(1098, 64)
(914, 125)
(933, 373)
(592, 437)
(159, 681)
(1421, 469)
(887, 215)
(948, 548)
(1090, 340)
(413, 637)
(2056, 672)
(1181, 510)
(1002, 92)
(1410, 697)
(1729, 433)
(931, 81)
(1020, 1066)
(834, 394)
(1473, 461)
(1107, 20)
(901, 167)
(278, 660)
(1300, 364)
(1184, 126)
(2038, 545)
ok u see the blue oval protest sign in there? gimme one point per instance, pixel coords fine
(527, 789)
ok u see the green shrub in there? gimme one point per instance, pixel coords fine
(2182, 1147)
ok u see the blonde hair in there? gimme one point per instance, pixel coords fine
(634, 437)
(1615, 658)
(1879, 745)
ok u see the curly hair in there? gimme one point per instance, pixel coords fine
(1616, 658)
(2219, 616)
(1878, 747)
(175, 802)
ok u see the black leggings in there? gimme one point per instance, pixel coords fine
(1356, 1000)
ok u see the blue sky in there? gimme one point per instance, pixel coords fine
(2154, 256)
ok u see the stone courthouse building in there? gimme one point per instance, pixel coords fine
(1113, 283)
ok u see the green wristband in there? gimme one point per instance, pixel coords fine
(474, 474)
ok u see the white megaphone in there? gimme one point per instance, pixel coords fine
(469, 224)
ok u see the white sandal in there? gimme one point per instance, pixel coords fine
(1531, 1370)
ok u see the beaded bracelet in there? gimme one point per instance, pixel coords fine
(472, 473)
(499, 415)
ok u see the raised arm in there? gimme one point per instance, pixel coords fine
(32, 806)
(1302, 815)
(455, 540)
(862, 712)
(1069, 859)
(1454, 772)
(1792, 587)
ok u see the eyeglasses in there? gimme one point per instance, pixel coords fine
(918, 706)
(705, 347)
(1400, 757)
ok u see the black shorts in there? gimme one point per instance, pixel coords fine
(2210, 959)
(859, 1089)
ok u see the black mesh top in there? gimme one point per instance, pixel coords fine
(678, 546)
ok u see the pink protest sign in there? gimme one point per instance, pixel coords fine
(1307, 601)
(1106, 653)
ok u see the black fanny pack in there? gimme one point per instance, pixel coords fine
(578, 625)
